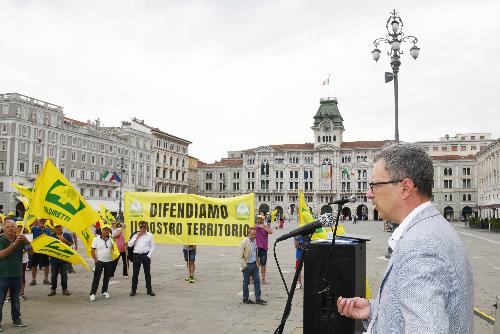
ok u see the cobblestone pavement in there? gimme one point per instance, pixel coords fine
(214, 303)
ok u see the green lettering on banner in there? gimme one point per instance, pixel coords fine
(53, 245)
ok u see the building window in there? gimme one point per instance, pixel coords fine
(84, 157)
(21, 167)
(23, 148)
(208, 186)
(448, 184)
(63, 154)
(3, 145)
(2, 166)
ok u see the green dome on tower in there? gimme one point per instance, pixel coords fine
(328, 110)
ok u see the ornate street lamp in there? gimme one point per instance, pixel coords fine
(394, 38)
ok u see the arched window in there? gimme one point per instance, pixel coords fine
(319, 139)
(334, 138)
(469, 197)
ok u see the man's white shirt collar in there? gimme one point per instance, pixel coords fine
(398, 232)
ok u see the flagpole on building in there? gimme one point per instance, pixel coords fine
(120, 211)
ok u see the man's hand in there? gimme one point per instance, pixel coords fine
(244, 269)
(22, 238)
(354, 308)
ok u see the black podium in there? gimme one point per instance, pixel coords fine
(346, 274)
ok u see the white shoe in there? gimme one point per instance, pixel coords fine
(106, 295)
(92, 298)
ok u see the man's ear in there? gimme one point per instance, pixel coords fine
(408, 187)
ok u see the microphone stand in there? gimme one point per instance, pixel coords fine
(288, 306)
(329, 290)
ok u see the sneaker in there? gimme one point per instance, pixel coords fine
(92, 297)
(248, 301)
(261, 302)
(132, 293)
(46, 282)
(18, 323)
(52, 293)
(23, 297)
(33, 282)
(125, 276)
(187, 278)
(191, 279)
(106, 295)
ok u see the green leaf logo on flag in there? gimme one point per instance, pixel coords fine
(65, 197)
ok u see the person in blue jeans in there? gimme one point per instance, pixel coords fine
(59, 266)
(249, 265)
(11, 270)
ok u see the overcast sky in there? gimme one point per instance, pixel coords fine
(230, 75)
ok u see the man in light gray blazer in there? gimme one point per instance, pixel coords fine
(427, 286)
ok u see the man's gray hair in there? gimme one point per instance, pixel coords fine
(409, 161)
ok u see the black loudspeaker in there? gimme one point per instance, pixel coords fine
(346, 275)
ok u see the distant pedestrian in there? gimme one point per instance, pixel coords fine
(144, 246)
(189, 252)
(355, 219)
(59, 266)
(249, 266)
(263, 232)
(102, 250)
(11, 266)
(299, 243)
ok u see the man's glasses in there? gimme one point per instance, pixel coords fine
(372, 184)
(142, 226)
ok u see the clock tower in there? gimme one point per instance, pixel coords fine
(328, 124)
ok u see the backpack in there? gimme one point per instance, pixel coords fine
(130, 249)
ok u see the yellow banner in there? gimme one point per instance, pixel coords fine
(25, 191)
(190, 219)
(53, 247)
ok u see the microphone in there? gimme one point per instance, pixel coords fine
(324, 220)
(350, 199)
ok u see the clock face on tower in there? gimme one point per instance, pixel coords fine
(326, 127)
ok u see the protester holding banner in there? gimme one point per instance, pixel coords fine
(118, 237)
(11, 266)
(144, 246)
(102, 248)
(41, 260)
(59, 266)
(263, 232)
(249, 265)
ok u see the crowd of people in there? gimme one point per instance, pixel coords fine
(427, 288)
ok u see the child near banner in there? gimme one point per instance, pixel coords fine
(189, 256)
(58, 266)
(102, 249)
(40, 260)
(11, 266)
(118, 237)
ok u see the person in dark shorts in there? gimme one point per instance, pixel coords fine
(262, 244)
(40, 260)
(189, 256)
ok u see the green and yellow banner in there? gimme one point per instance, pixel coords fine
(53, 247)
(53, 197)
(190, 219)
(105, 214)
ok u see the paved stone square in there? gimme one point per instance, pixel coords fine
(214, 303)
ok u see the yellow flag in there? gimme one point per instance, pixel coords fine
(105, 214)
(115, 253)
(50, 246)
(25, 191)
(273, 214)
(23, 200)
(87, 237)
(305, 217)
(54, 198)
